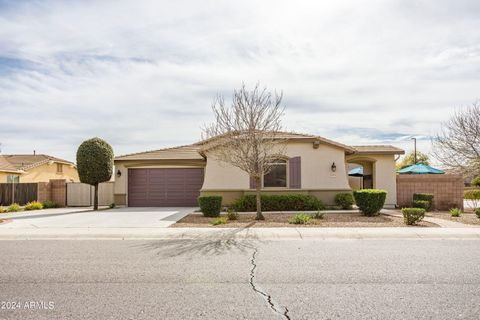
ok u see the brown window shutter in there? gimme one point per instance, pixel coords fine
(295, 170)
(253, 185)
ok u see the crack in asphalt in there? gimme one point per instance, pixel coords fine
(282, 311)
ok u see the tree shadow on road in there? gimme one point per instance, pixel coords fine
(215, 244)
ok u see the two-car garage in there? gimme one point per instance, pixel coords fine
(164, 187)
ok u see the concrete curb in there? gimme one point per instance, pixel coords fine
(238, 234)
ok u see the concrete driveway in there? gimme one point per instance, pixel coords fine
(86, 218)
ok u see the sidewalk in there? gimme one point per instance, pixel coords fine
(238, 234)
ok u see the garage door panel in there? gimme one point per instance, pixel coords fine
(164, 187)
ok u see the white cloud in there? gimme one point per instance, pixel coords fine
(143, 74)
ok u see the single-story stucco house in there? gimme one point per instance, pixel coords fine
(313, 165)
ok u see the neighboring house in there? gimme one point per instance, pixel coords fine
(35, 168)
(313, 165)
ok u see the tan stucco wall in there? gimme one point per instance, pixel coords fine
(44, 173)
(384, 176)
(47, 171)
(315, 169)
(355, 182)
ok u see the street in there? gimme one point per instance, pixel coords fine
(232, 279)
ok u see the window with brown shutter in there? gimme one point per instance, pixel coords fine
(295, 173)
(59, 168)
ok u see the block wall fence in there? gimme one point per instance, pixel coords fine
(447, 189)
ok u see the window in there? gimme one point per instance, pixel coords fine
(59, 168)
(13, 179)
(277, 177)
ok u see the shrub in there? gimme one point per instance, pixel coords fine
(34, 205)
(344, 200)
(424, 197)
(476, 182)
(300, 218)
(474, 197)
(477, 212)
(14, 207)
(455, 212)
(317, 215)
(413, 215)
(370, 201)
(288, 202)
(219, 220)
(423, 204)
(112, 205)
(210, 205)
(3, 210)
(48, 204)
(232, 214)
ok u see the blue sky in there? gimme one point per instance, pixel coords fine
(143, 74)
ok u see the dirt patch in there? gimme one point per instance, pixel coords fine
(280, 220)
(466, 217)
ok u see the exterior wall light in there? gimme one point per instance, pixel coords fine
(316, 144)
(334, 167)
(119, 173)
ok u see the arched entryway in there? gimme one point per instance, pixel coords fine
(361, 173)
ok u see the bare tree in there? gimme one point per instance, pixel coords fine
(457, 145)
(246, 133)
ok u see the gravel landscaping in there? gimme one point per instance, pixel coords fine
(466, 217)
(281, 220)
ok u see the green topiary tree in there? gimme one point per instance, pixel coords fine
(95, 164)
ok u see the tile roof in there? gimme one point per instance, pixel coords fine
(294, 136)
(194, 151)
(6, 166)
(188, 152)
(28, 161)
(378, 149)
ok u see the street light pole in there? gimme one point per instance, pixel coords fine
(415, 149)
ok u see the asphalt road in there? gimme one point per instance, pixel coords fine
(211, 279)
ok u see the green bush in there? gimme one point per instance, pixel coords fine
(413, 215)
(210, 205)
(474, 197)
(455, 212)
(423, 204)
(48, 204)
(370, 201)
(14, 207)
(300, 218)
(3, 210)
(475, 182)
(219, 220)
(424, 197)
(288, 202)
(477, 212)
(317, 215)
(344, 200)
(34, 205)
(232, 214)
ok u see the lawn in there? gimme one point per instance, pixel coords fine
(279, 220)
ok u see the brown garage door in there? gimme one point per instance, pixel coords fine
(164, 187)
